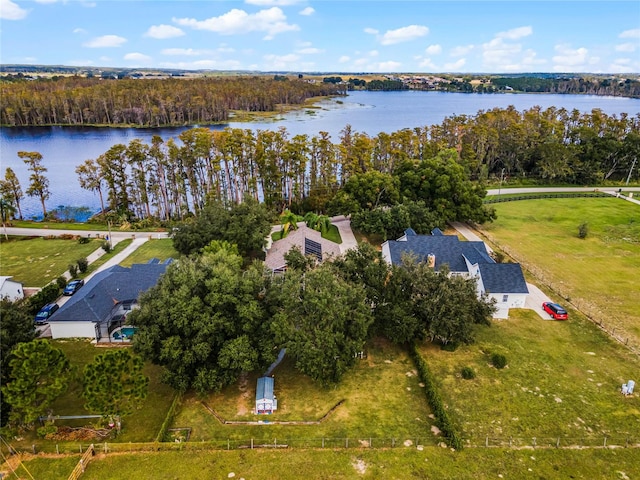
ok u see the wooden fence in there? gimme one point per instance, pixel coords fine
(82, 463)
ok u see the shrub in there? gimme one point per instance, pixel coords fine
(83, 240)
(83, 265)
(583, 230)
(47, 295)
(106, 246)
(73, 270)
(61, 281)
(48, 429)
(468, 373)
(498, 360)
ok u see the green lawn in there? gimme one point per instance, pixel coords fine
(599, 274)
(563, 380)
(36, 261)
(338, 464)
(161, 249)
(141, 426)
(382, 400)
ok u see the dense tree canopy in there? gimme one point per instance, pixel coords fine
(114, 384)
(205, 322)
(246, 225)
(39, 373)
(321, 319)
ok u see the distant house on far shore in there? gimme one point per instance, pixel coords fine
(503, 282)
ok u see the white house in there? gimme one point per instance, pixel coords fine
(503, 282)
(11, 289)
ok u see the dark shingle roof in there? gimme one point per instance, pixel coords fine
(96, 299)
(448, 249)
(503, 278)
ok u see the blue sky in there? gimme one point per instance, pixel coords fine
(326, 36)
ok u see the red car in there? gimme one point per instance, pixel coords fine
(555, 310)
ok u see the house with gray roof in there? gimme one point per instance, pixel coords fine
(103, 303)
(308, 240)
(503, 282)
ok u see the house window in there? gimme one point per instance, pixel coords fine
(505, 298)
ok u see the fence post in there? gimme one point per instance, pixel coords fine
(510, 441)
(605, 441)
(80, 448)
(228, 445)
(57, 449)
(252, 444)
(393, 442)
(534, 441)
(370, 442)
(322, 442)
(558, 443)
(486, 441)
(346, 442)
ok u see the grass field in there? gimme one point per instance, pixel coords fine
(562, 380)
(141, 426)
(599, 274)
(338, 464)
(36, 261)
(381, 394)
(161, 249)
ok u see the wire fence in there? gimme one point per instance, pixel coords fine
(613, 441)
(507, 198)
(611, 325)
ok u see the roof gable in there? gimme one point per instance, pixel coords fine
(117, 284)
(503, 278)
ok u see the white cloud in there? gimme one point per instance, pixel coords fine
(461, 50)
(457, 65)
(105, 41)
(137, 57)
(265, 3)
(626, 47)
(515, 33)
(79, 30)
(225, 49)
(46, 1)
(388, 66)
(206, 64)
(624, 65)
(307, 11)
(279, 62)
(569, 59)
(309, 51)
(373, 53)
(79, 63)
(271, 21)
(403, 34)
(163, 31)
(427, 63)
(185, 52)
(371, 31)
(635, 33)
(434, 50)
(11, 11)
(344, 59)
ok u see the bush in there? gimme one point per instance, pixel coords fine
(73, 270)
(83, 240)
(106, 246)
(61, 281)
(48, 429)
(498, 360)
(48, 294)
(583, 230)
(83, 265)
(468, 373)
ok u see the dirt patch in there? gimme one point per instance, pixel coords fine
(243, 388)
(360, 466)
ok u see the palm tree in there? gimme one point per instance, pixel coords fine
(289, 221)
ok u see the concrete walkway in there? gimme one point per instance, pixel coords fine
(349, 241)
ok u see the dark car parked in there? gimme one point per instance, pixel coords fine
(72, 287)
(45, 312)
(555, 310)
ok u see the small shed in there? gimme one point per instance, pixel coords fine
(266, 401)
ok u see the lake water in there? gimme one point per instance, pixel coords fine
(64, 148)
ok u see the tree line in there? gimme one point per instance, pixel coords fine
(147, 102)
(173, 179)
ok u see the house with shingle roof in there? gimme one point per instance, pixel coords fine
(104, 302)
(503, 282)
(308, 240)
